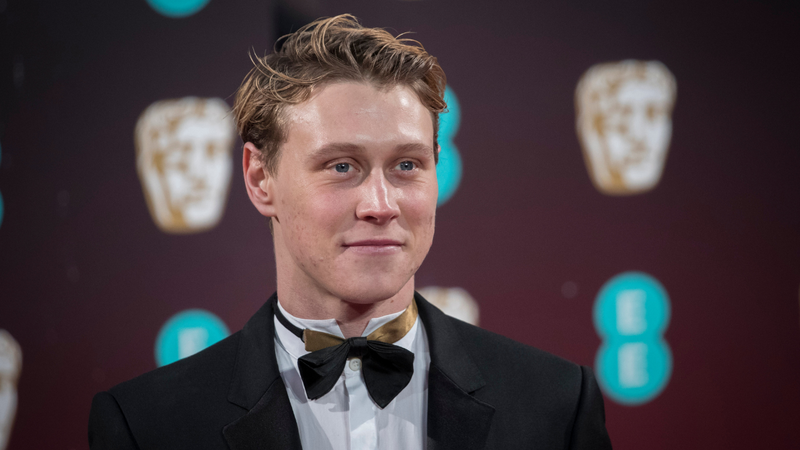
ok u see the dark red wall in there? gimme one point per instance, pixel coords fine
(87, 280)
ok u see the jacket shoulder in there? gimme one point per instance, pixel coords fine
(537, 396)
(517, 374)
(498, 352)
(195, 375)
(183, 404)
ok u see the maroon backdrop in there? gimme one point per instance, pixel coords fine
(87, 280)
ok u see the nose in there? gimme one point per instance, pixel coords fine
(378, 199)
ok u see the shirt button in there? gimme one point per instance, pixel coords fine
(355, 364)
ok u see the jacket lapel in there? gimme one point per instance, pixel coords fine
(258, 388)
(456, 419)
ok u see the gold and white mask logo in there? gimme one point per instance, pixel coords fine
(624, 122)
(10, 367)
(454, 302)
(183, 156)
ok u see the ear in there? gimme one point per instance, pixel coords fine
(258, 181)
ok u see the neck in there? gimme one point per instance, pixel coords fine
(352, 315)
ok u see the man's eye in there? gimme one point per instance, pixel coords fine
(406, 165)
(343, 167)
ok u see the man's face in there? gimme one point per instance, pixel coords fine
(355, 192)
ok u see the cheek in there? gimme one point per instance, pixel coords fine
(420, 211)
(313, 221)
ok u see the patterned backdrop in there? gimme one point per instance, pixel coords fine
(619, 184)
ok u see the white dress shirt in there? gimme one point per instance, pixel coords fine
(346, 418)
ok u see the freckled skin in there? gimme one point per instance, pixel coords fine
(358, 164)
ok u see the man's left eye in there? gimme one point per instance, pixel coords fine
(406, 165)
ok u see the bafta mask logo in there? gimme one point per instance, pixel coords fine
(624, 124)
(454, 302)
(10, 367)
(183, 156)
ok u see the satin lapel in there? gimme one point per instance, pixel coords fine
(269, 425)
(456, 419)
(258, 388)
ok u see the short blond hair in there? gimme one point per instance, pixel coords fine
(326, 50)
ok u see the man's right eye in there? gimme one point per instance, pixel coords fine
(343, 167)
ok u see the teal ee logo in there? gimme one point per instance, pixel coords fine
(186, 333)
(448, 171)
(177, 8)
(634, 362)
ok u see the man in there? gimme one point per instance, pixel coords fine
(340, 153)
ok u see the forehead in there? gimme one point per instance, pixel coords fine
(360, 113)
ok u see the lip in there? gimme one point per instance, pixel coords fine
(374, 246)
(373, 243)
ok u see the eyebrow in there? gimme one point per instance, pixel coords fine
(337, 147)
(415, 146)
(344, 147)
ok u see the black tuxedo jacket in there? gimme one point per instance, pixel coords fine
(485, 391)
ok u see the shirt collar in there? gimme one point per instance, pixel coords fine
(296, 348)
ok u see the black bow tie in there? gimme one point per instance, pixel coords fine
(387, 368)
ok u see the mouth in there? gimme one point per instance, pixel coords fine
(374, 246)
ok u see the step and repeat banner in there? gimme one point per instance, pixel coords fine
(619, 184)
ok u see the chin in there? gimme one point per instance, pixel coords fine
(369, 289)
